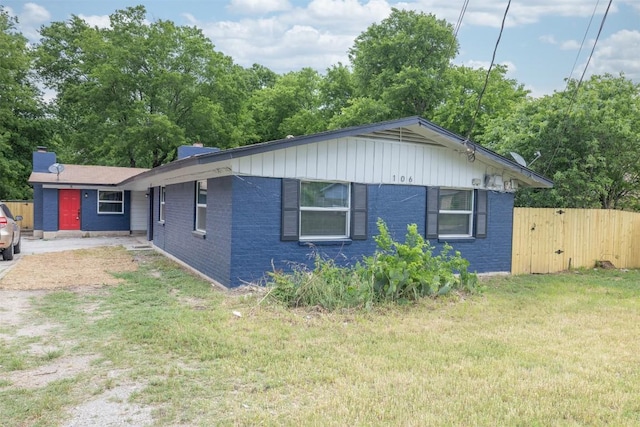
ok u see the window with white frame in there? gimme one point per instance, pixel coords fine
(201, 206)
(455, 215)
(324, 210)
(161, 207)
(110, 202)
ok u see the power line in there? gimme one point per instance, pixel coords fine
(574, 95)
(584, 38)
(604, 18)
(460, 17)
(471, 155)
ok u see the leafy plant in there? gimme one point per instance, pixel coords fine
(409, 270)
(397, 271)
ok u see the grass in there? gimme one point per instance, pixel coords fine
(550, 350)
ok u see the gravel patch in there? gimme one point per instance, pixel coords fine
(112, 408)
(76, 265)
(60, 369)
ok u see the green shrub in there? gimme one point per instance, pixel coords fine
(409, 270)
(396, 272)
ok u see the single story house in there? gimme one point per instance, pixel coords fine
(80, 200)
(235, 214)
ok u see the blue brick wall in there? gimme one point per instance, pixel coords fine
(91, 220)
(37, 207)
(219, 228)
(256, 229)
(210, 255)
(42, 161)
(243, 229)
(50, 209)
(492, 254)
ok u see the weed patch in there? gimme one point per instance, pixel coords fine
(396, 272)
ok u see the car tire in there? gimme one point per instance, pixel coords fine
(7, 254)
(16, 247)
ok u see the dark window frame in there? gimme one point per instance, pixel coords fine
(290, 213)
(479, 215)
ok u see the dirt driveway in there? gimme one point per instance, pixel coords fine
(82, 265)
(31, 246)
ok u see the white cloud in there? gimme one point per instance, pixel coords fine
(618, 53)
(351, 10)
(34, 14)
(30, 18)
(633, 3)
(100, 21)
(575, 45)
(548, 38)
(250, 7)
(477, 64)
(489, 13)
(316, 36)
(511, 67)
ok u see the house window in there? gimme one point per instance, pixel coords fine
(110, 202)
(455, 217)
(162, 198)
(201, 206)
(324, 210)
(456, 213)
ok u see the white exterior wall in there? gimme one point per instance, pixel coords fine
(139, 207)
(370, 161)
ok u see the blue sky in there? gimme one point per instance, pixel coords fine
(540, 42)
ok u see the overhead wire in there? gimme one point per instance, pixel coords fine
(604, 18)
(460, 17)
(471, 153)
(584, 38)
(574, 95)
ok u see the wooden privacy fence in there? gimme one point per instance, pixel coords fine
(24, 208)
(552, 240)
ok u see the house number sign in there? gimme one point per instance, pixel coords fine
(402, 178)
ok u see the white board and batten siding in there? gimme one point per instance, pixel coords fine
(139, 208)
(369, 161)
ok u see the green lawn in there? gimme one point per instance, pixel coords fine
(537, 350)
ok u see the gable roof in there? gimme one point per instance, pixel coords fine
(86, 175)
(411, 129)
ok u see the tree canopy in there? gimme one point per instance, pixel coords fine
(402, 59)
(589, 138)
(22, 123)
(132, 92)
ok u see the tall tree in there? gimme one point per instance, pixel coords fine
(401, 61)
(459, 112)
(336, 90)
(290, 107)
(589, 139)
(131, 93)
(22, 122)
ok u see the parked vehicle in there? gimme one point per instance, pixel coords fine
(10, 236)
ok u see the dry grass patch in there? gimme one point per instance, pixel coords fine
(550, 350)
(59, 270)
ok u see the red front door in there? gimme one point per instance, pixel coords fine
(69, 209)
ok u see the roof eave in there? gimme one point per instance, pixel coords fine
(531, 177)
